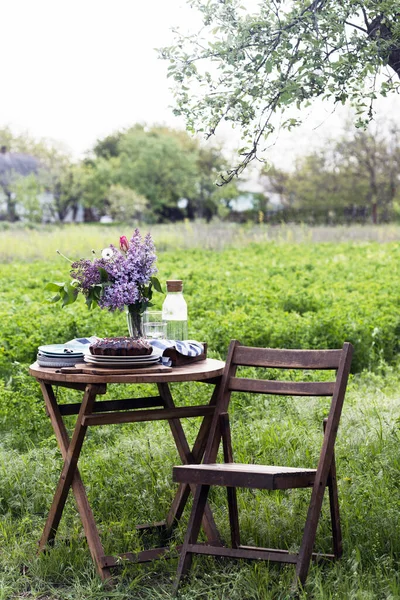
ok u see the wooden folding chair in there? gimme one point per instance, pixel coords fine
(232, 475)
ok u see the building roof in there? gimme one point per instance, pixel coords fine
(14, 162)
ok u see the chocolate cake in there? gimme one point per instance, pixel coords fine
(120, 346)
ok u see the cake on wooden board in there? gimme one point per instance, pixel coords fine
(121, 346)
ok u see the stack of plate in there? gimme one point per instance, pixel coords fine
(122, 362)
(59, 355)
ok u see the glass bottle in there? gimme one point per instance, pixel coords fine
(174, 311)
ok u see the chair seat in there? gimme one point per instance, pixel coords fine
(245, 475)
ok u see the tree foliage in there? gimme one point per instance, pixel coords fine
(154, 169)
(52, 165)
(358, 174)
(126, 204)
(249, 68)
(141, 173)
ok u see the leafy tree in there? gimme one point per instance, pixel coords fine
(67, 193)
(208, 197)
(159, 166)
(356, 174)
(51, 165)
(108, 147)
(26, 194)
(372, 164)
(126, 204)
(276, 181)
(253, 67)
(95, 179)
(156, 165)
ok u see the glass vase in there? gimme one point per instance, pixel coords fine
(135, 322)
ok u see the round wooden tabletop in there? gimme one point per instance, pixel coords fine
(198, 371)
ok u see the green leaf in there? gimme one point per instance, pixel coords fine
(103, 275)
(156, 284)
(52, 286)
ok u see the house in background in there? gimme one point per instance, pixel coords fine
(13, 164)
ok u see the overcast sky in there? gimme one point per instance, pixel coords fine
(77, 70)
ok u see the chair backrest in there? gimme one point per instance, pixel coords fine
(238, 355)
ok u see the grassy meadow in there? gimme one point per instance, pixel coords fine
(279, 287)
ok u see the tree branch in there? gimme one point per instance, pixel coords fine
(356, 26)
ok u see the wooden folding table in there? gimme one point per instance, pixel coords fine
(91, 412)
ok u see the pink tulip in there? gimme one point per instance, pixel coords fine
(123, 243)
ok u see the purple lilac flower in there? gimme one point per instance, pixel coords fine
(86, 272)
(127, 273)
(118, 295)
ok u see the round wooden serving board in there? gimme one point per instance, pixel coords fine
(95, 370)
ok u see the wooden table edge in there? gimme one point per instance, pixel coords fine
(200, 371)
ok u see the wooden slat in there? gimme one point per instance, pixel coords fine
(138, 557)
(253, 553)
(109, 405)
(247, 468)
(73, 386)
(149, 526)
(315, 555)
(245, 475)
(282, 388)
(286, 359)
(102, 389)
(148, 415)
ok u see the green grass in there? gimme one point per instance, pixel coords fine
(276, 293)
(41, 242)
(127, 472)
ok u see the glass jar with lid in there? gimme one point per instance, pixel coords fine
(174, 311)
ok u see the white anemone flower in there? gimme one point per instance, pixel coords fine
(107, 253)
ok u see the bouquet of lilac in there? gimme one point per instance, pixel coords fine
(122, 277)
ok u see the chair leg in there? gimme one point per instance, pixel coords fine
(334, 508)
(231, 491)
(334, 505)
(304, 560)
(310, 531)
(185, 558)
(233, 516)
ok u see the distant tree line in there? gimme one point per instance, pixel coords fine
(155, 174)
(353, 179)
(158, 174)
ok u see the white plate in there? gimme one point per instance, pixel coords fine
(119, 362)
(60, 350)
(133, 359)
(66, 357)
(122, 363)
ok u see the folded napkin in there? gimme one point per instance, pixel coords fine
(186, 347)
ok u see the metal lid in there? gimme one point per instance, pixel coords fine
(174, 285)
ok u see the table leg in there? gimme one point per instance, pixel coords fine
(198, 450)
(189, 457)
(84, 509)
